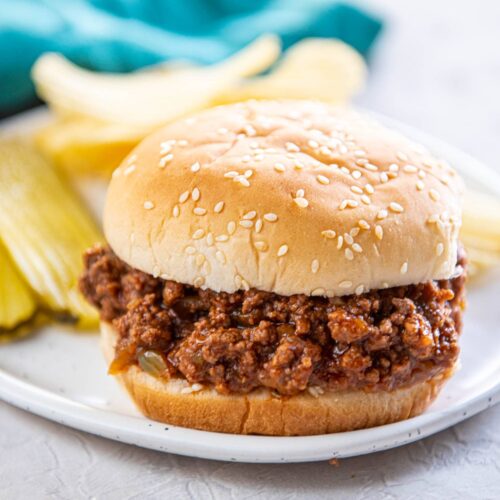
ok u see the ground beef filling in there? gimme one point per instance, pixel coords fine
(237, 342)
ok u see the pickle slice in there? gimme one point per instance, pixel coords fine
(45, 229)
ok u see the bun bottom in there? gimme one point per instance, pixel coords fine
(260, 413)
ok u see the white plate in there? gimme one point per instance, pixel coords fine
(61, 375)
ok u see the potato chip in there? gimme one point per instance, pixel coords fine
(85, 145)
(147, 98)
(315, 68)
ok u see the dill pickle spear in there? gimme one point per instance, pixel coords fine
(45, 229)
(17, 303)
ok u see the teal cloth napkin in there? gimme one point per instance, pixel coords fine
(123, 35)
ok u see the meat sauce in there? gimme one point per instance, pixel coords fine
(237, 342)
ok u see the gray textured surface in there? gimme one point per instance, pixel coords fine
(438, 68)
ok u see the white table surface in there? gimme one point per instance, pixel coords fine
(437, 67)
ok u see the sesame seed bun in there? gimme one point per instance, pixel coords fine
(286, 197)
(175, 402)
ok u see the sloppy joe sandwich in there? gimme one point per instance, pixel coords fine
(280, 268)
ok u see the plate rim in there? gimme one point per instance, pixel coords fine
(253, 449)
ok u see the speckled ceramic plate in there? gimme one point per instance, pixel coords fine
(61, 375)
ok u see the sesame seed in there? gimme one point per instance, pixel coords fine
(279, 167)
(382, 214)
(379, 232)
(401, 156)
(365, 199)
(340, 242)
(371, 166)
(300, 193)
(222, 237)
(420, 185)
(356, 174)
(298, 165)
(315, 266)
(301, 202)
(258, 157)
(394, 167)
(410, 169)
(199, 281)
(325, 150)
(245, 285)
(246, 158)
(439, 249)
(199, 211)
(421, 174)
(348, 254)
(346, 171)
(260, 245)
(348, 239)
(359, 289)
(292, 147)
(396, 207)
(356, 189)
(258, 225)
(242, 180)
(148, 205)
(231, 227)
(434, 194)
(345, 284)
(270, 217)
(165, 148)
(329, 233)
(322, 179)
(210, 239)
(352, 203)
(357, 247)
(313, 144)
(361, 161)
(404, 268)
(184, 196)
(231, 174)
(195, 167)
(384, 177)
(176, 211)
(315, 293)
(190, 250)
(250, 215)
(165, 159)
(246, 223)
(218, 207)
(200, 259)
(369, 189)
(359, 153)
(129, 170)
(283, 249)
(195, 194)
(363, 224)
(343, 205)
(219, 255)
(199, 233)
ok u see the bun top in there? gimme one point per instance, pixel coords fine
(287, 197)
